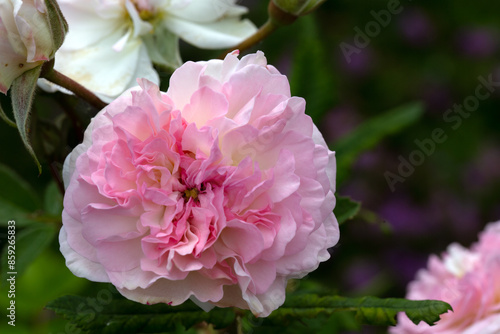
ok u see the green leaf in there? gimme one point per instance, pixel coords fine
(6, 118)
(369, 133)
(163, 49)
(17, 191)
(310, 75)
(29, 243)
(118, 315)
(22, 95)
(345, 209)
(9, 211)
(57, 23)
(337, 322)
(342, 321)
(124, 316)
(53, 200)
(369, 310)
(45, 279)
(372, 218)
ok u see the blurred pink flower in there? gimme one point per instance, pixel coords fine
(219, 190)
(466, 279)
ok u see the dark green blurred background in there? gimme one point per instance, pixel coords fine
(430, 51)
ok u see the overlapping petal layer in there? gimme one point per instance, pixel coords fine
(219, 190)
(467, 279)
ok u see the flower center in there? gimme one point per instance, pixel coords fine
(144, 9)
(190, 193)
(146, 15)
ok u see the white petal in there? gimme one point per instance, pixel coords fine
(91, 22)
(207, 10)
(69, 166)
(79, 265)
(12, 64)
(103, 70)
(460, 260)
(217, 35)
(140, 27)
(122, 42)
(331, 169)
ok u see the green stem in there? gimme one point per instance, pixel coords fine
(74, 118)
(265, 30)
(277, 18)
(56, 175)
(60, 79)
(44, 218)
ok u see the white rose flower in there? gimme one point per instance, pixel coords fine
(110, 43)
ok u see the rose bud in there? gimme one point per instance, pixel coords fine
(26, 38)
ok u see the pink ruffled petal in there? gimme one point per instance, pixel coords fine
(219, 190)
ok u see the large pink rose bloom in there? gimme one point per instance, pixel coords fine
(469, 280)
(219, 190)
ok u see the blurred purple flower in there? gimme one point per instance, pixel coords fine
(483, 171)
(436, 95)
(339, 121)
(461, 215)
(359, 64)
(415, 27)
(360, 190)
(405, 217)
(477, 42)
(360, 274)
(405, 264)
(371, 159)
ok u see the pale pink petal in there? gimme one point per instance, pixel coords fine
(130, 254)
(468, 281)
(489, 325)
(80, 265)
(183, 83)
(111, 224)
(15, 57)
(205, 105)
(235, 233)
(34, 32)
(219, 190)
(177, 292)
